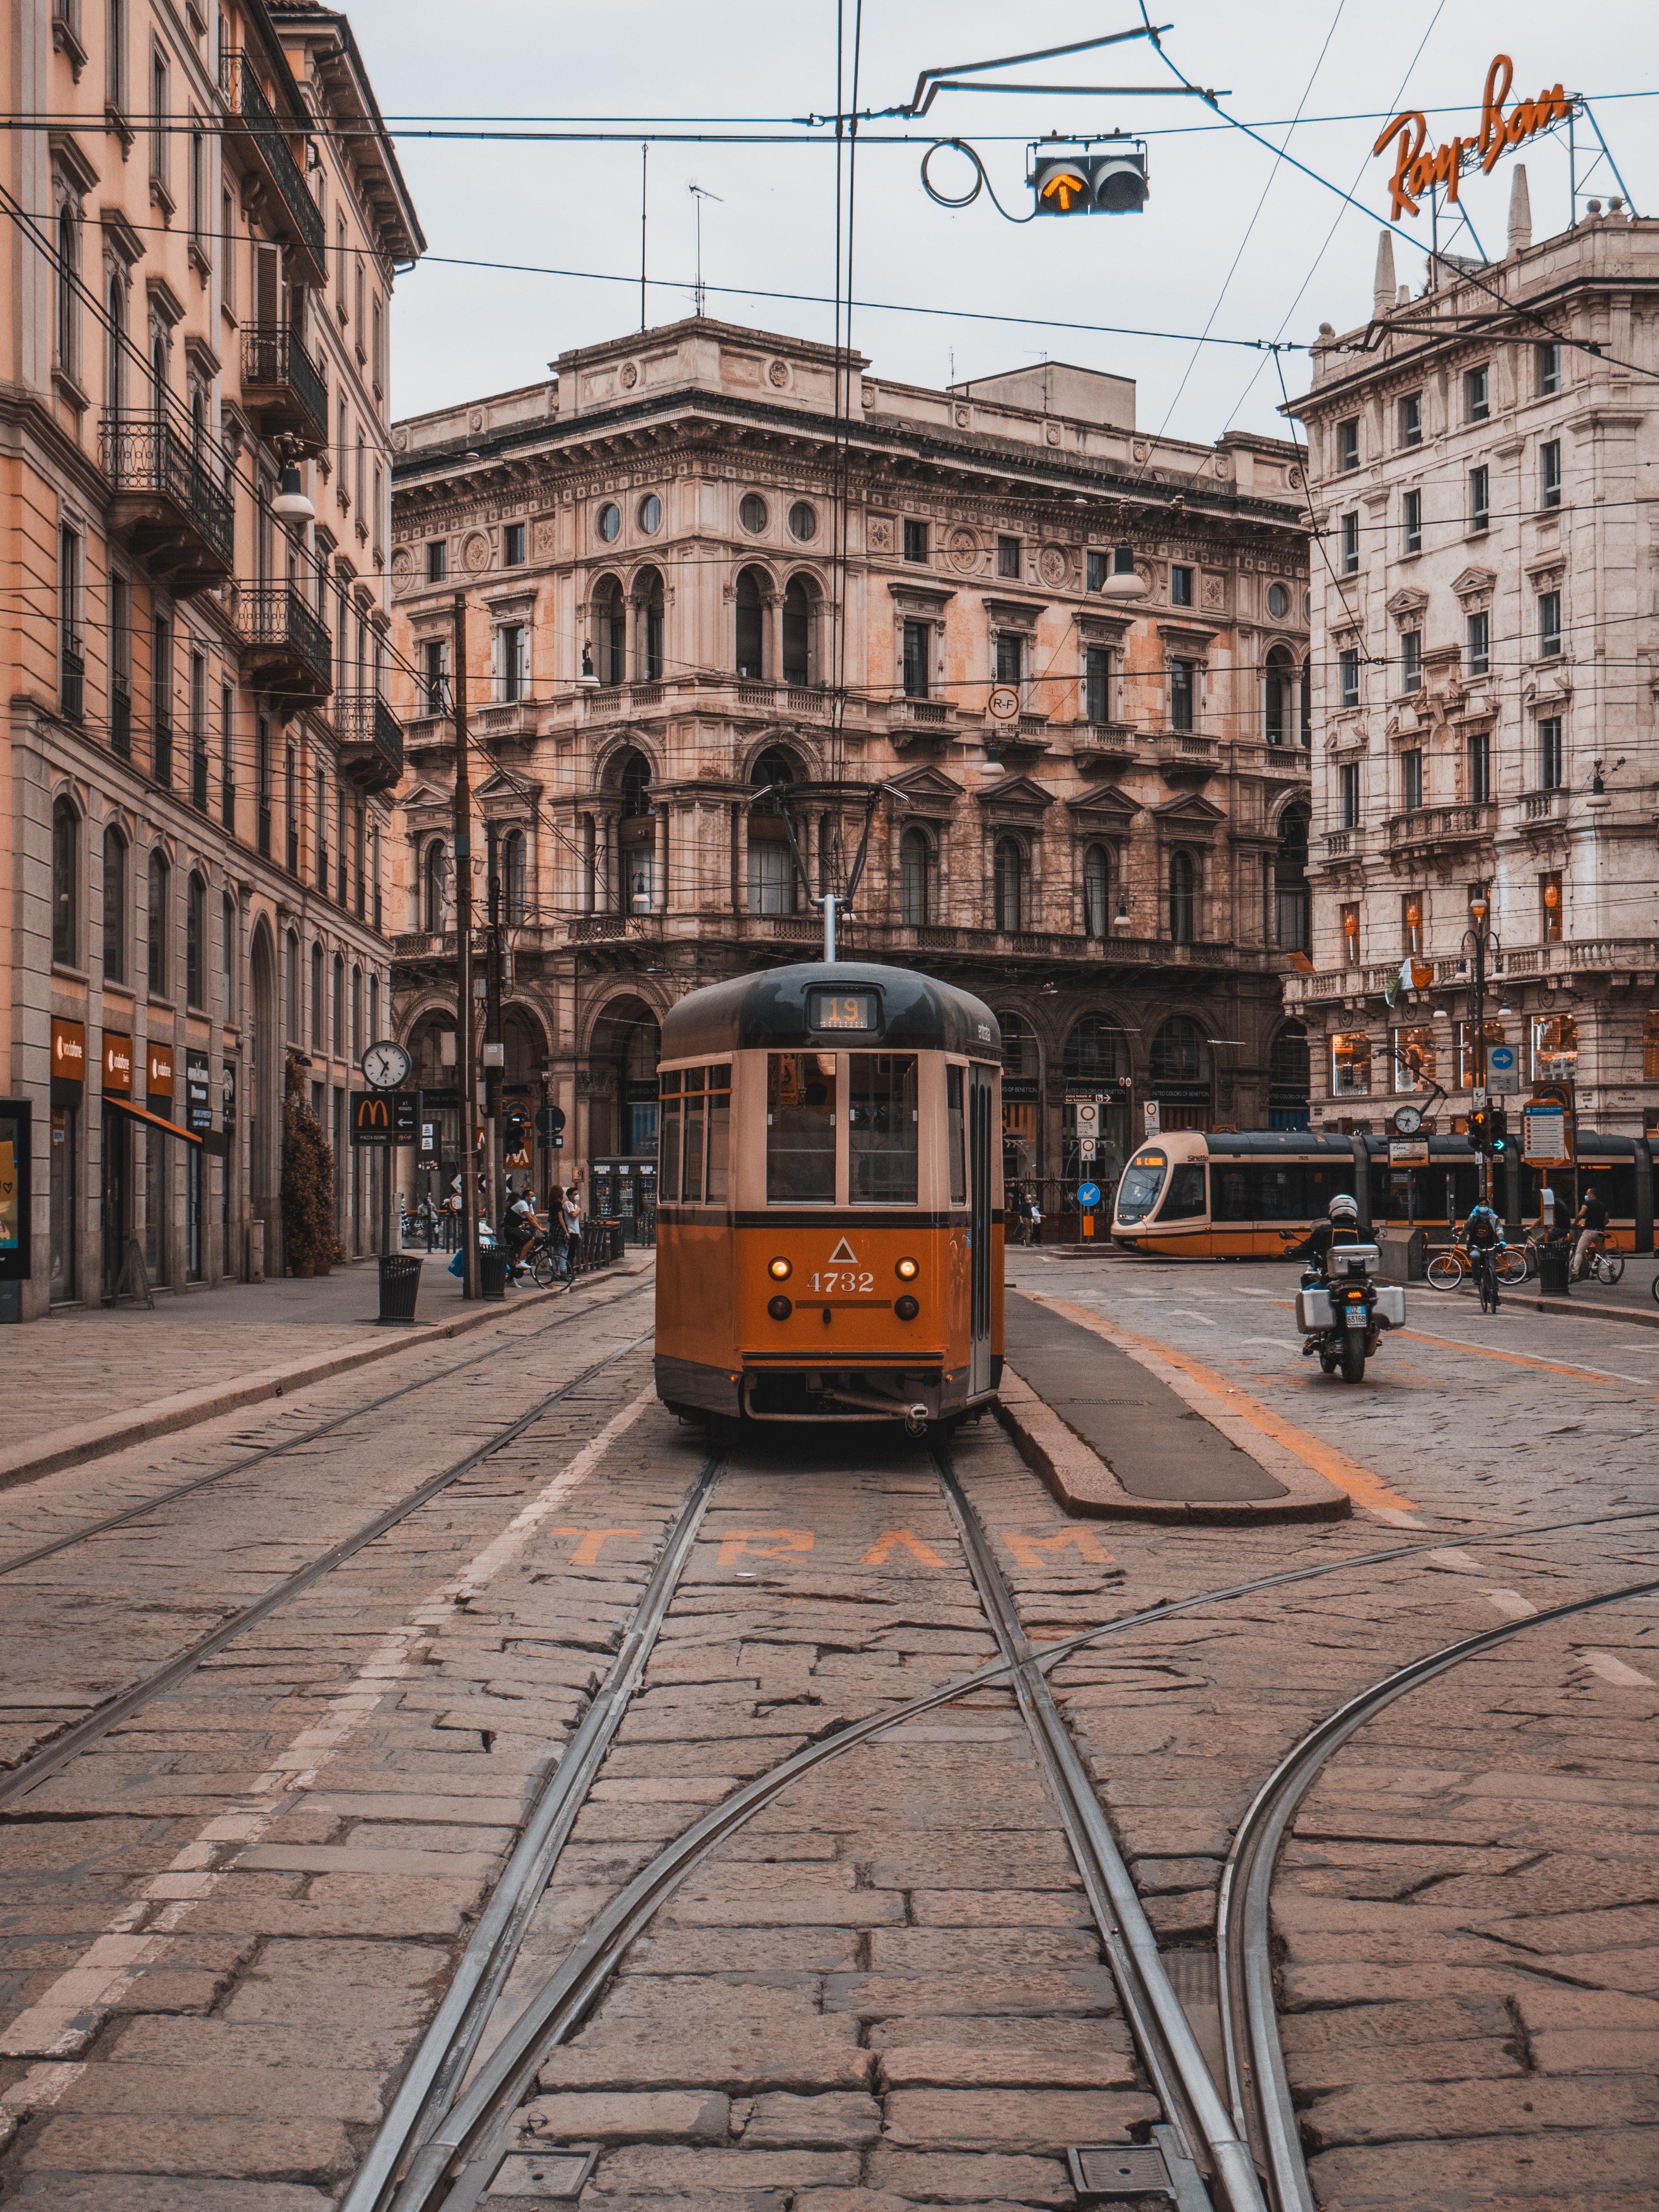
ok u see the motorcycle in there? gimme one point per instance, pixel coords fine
(1343, 1313)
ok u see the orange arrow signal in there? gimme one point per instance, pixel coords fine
(1068, 185)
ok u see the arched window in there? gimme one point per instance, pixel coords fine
(751, 622)
(436, 888)
(1278, 688)
(635, 784)
(610, 632)
(1290, 868)
(65, 883)
(115, 365)
(773, 767)
(1019, 1046)
(797, 625)
(1094, 1051)
(158, 884)
(319, 996)
(1181, 898)
(115, 907)
(914, 855)
(1009, 884)
(195, 959)
(1304, 693)
(339, 1028)
(1097, 892)
(512, 877)
(771, 870)
(648, 608)
(1181, 1052)
(291, 994)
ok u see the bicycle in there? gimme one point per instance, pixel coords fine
(1605, 1265)
(1483, 1263)
(1447, 1269)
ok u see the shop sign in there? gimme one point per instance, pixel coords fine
(1182, 1094)
(1546, 1138)
(118, 1064)
(227, 1090)
(1419, 167)
(371, 1117)
(69, 1052)
(1023, 1088)
(159, 1065)
(198, 1094)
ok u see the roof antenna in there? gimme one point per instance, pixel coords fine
(699, 194)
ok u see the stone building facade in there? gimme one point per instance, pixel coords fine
(199, 750)
(648, 546)
(1484, 678)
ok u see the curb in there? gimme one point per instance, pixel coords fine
(163, 1416)
(1084, 1485)
(1582, 1310)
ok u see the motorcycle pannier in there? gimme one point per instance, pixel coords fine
(1313, 1311)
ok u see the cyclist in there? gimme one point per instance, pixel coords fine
(520, 1235)
(1591, 1223)
(1341, 1226)
(1483, 1233)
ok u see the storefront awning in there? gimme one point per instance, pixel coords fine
(150, 1120)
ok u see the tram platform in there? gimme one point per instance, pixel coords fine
(1119, 1432)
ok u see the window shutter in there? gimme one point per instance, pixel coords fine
(267, 284)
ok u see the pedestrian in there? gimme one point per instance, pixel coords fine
(1033, 1219)
(1591, 1223)
(573, 1214)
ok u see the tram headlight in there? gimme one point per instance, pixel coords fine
(906, 1308)
(780, 1308)
(908, 1270)
(779, 1271)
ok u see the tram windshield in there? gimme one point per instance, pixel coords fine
(800, 1127)
(881, 1128)
(1143, 1179)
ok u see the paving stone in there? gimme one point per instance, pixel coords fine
(216, 2089)
(875, 1996)
(998, 1908)
(991, 1951)
(315, 2044)
(648, 2169)
(945, 2177)
(1009, 2119)
(770, 1951)
(126, 2191)
(833, 2122)
(1543, 2173)
(317, 2152)
(660, 2115)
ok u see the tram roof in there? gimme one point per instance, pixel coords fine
(918, 1012)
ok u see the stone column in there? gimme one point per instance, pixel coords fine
(660, 887)
(773, 668)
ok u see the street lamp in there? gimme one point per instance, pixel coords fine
(1479, 908)
(1123, 583)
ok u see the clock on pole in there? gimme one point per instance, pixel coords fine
(385, 1064)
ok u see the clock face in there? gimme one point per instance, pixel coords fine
(1407, 1120)
(385, 1064)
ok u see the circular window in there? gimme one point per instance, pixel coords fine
(650, 515)
(1278, 601)
(610, 521)
(803, 519)
(751, 512)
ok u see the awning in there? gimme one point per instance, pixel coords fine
(150, 1120)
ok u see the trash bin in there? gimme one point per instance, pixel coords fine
(1554, 1279)
(492, 1274)
(400, 1279)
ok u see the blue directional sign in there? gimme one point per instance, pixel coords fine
(1088, 1194)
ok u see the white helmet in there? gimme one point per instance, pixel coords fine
(1343, 1207)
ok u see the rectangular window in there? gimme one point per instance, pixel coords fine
(435, 670)
(1411, 509)
(227, 758)
(1348, 667)
(1008, 557)
(882, 1130)
(322, 833)
(1479, 629)
(262, 783)
(1480, 767)
(917, 639)
(1410, 419)
(158, 119)
(1010, 657)
(1549, 908)
(668, 1150)
(1351, 1065)
(800, 1127)
(1349, 545)
(1468, 1073)
(71, 659)
(1477, 395)
(291, 808)
(1096, 567)
(1181, 587)
(1181, 694)
(1549, 368)
(115, 56)
(514, 654)
(955, 1136)
(161, 708)
(1479, 500)
(1096, 684)
(1347, 780)
(1549, 753)
(717, 1186)
(199, 735)
(1554, 1048)
(1549, 473)
(1411, 660)
(227, 259)
(915, 541)
(1411, 770)
(513, 545)
(1549, 623)
(1347, 443)
(1415, 1059)
(197, 181)
(693, 1110)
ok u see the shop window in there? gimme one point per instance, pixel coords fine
(1554, 1048)
(1351, 1065)
(1468, 1071)
(1415, 1059)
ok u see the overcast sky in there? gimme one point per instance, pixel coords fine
(460, 332)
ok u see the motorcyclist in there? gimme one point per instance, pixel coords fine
(1341, 1226)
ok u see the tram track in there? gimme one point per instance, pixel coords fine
(263, 1453)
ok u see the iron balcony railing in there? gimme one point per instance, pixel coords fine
(363, 718)
(142, 453)
(246, 100)
(272, 355)
(276, 615)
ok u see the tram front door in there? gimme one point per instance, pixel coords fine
(980, 1144)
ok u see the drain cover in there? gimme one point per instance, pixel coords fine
(542, 2177)
(1103, 2171)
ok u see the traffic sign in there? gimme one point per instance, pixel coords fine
(549, 1124)
(1503, 1067)
(1088, 1196)
(1085, 1148)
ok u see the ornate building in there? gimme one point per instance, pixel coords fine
(651, 546)
(199, 259)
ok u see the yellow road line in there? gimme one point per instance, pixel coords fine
(1491, 1352)
(1361, 1485)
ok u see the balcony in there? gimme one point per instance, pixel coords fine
(518, 722)
(1184, 757)
(282, 386)
(1439, 827)
(1104, 744)
(259, 144)
(285, 648)
(370, 738)
(167, 510)
(910, 720)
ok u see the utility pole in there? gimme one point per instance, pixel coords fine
(469, 1070)
(1478, 907)
(494, 1055)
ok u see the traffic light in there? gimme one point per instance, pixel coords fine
(1481, 1129)
(1064, 181)
(1497, 1129)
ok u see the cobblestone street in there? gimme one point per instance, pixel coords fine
(233, 1911)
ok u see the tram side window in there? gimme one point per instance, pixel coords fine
(668, 1154)
(1185, 1195)
(800, 1127)
(691, 1174)
(717, 1187)
(1272, 1191)
(882, 1129)
(955, 1128)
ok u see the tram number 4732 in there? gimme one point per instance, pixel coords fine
(841, 1279)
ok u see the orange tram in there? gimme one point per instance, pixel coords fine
(1232, 1196)
(827, 1246)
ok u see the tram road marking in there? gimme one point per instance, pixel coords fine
(1362, 1486)
(924, 1554)
(743, 1544)
(586, 1553)
(65, 2018)
(1615, 1670)
(1083, 1541)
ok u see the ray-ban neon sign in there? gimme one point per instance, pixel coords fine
(1418, 166)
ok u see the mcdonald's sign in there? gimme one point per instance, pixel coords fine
(371, 1118)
